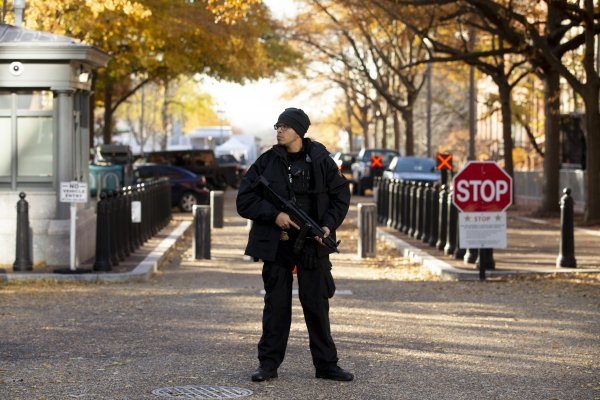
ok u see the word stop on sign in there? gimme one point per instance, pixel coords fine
(481, 190)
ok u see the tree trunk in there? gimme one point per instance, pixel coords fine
(396, 131)
(408, 117)
(591, 98)
(384, 143)
(107, 128)
(505, 94)
(365, 128)
(164, 118)
(592, 122)
(375, 125)
(550, 190)
(350, 139)
(349, 127)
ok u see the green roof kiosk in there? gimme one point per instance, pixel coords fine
(45, 83)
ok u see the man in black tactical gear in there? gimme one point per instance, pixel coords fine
(301, 170)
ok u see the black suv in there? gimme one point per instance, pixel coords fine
(370, 163)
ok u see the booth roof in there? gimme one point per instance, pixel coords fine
(27, 44)
(12, 34)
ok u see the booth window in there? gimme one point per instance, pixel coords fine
(27, 137)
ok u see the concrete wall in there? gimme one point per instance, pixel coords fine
(50, 236)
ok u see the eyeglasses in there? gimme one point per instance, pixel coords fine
(282, 126)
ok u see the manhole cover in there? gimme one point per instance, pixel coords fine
(202, 392)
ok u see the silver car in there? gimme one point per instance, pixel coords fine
(419, 169)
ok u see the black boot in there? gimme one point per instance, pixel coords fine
(335, 374)
(263, 374)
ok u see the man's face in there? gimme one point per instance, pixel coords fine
(286, 135)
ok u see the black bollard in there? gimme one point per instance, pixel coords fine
(398, 208)
(23, 261)
(390, 203)
(566, 254)
(420, 211)
(122, 220)
(378, 199)
(202, 232)
(426, 226)
(471, 256)
(129, 224)
(395, 204)
(217, 204)
(442, 219)
(381, 196)
(137, 226)
(404, 206)
(367, 230)
(451, 226)
(413, 209)
(458, 252)
(114, 218)
(102, 262)
(433, 223)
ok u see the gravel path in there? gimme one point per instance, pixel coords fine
(405, 335)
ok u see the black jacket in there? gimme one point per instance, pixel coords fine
(330, 189)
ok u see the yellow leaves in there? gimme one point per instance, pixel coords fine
(128, 7)
(230, 11)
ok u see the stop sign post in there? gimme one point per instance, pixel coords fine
(482, 192)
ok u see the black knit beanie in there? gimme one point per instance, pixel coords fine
(295, 118)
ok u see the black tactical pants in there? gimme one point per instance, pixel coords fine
(316, 286)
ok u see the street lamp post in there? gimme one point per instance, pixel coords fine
(220, 114)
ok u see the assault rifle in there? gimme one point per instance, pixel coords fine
(307, 225)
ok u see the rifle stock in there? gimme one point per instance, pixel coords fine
(296, 213)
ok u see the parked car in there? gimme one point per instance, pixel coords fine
(420, 169)
(370, 163)
(187, 188)
(229, 160)
(344, 162)
(199, 161)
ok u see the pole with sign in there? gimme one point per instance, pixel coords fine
(73, 193)
(482, 193)
(443, 163)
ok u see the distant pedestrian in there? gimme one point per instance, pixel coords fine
(299, 169)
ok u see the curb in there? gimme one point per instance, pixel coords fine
(142, 272)
(434, 265)
(448, 272)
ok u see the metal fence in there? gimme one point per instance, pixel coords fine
(127, 218)
(528, 186)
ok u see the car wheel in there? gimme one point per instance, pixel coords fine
(187, 202)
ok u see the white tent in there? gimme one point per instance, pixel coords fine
(242, 147)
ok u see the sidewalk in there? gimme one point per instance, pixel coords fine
(532, 249)
(138, 266)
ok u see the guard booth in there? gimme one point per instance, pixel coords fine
(45, 83)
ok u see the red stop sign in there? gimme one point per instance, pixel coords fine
(482, 186)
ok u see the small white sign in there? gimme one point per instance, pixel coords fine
(136, 211)
(482, 230)
(73, 192)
